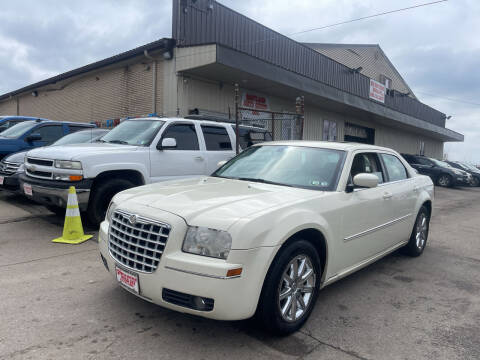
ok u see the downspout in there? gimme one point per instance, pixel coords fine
(154, 81)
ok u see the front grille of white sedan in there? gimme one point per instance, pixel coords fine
(137, 242)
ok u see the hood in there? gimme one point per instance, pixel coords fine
(210, 201)
(16, 158)
(78, 151)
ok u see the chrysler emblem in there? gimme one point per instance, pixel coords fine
(132, 219)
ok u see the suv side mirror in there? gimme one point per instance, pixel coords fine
(365, 180)
(33, 137)
(167, 143)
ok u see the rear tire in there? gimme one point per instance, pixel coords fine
(290, 289)
(476, 181)
(419, 236)
(101, 197)
(445, 180)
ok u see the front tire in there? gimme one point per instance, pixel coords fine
(101, 197)
(419, 236)
(290, 289)
(445, 180)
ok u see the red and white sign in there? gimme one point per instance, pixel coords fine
(1, 180)
(377, 91)
(27, 189)
(254, 102)
(129, 280)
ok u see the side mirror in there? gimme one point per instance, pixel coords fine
(365, 180)
(221, 163)
(33, 137)
(167, 143)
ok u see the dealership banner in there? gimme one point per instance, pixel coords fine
(255, 102)
(377, 91)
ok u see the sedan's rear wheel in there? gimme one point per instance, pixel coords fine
(476, 181)
(445, 180)
(419, 236)
(290, 288)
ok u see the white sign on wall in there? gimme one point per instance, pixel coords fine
(377, 91)
(256, 103)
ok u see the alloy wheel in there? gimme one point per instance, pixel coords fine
(421, 231)
(296, 288)
(444, 180)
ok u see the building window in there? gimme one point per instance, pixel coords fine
(386, 81)
(329, 130)
(422, 148)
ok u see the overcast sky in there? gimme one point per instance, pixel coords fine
(435, 48)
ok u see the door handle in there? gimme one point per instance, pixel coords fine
(387, 196)
(199, 158)
(415, 189)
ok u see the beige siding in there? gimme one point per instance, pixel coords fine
(8, 107)
(107, 94)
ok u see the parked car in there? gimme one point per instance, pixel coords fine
(35, 133)
(12, 165)
(440, 172)
(9, 121)
(472, 170)
(267, 230)
(136, 152)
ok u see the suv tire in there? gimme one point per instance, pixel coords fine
(293, 278)
(102, 195)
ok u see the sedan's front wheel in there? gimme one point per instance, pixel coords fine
(290, 288)
(445, 180)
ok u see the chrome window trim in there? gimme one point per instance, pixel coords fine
(376, 228)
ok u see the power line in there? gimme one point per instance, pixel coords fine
(368, 17)
(449, 98)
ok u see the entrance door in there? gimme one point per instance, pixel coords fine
(359, 134)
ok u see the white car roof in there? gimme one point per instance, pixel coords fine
(345, 146)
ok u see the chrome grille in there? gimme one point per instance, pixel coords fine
(33, 169)
(9, 168)
(42, 162)
(137, 242)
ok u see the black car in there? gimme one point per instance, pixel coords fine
(472, 170)
(440, 172)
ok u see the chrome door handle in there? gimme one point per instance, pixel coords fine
(387, 196)
(199, 158)
(416, 188)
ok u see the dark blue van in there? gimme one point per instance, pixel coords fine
(34, 133)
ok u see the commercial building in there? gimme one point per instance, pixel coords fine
(351, 92)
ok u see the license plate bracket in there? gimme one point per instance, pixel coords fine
(27, 189)
(2, 179)
(128, 279)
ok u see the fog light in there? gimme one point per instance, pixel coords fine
(200, 303)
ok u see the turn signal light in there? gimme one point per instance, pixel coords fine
(234, 272)
(75, 177)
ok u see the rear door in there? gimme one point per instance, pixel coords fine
(49, 133)
(218, 145)
(186, 160)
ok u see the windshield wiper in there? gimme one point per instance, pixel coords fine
(263, 181)
(118, 142)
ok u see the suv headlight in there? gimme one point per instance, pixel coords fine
(207, 242)
(65, 164)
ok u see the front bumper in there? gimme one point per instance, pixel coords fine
(460, 180)
(55, 193)
(234, 298)
(11, 182)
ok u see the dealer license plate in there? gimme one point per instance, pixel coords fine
(1, 180)
(127, 279)
(27, 189)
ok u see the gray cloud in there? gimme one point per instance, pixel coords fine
(435, 48)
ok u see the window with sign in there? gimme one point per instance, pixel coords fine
(329, 130)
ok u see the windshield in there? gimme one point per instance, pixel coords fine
(76, 138)
(441, 163)
(18, 130)
(297, 166)
(134, 132)
(468, 167)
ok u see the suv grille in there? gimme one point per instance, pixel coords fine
(9, 168)
(137, 242)
(40, 162)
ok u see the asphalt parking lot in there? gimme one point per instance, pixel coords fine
(58, 302)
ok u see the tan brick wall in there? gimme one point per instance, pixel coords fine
(107, 94)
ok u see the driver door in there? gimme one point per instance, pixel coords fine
(186, 160)
(363, 216)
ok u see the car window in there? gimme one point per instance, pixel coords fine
(395, 169)
(75, 128)
(216, 138)
(367, 163)
(184, 134)
(17, 130)
(422, 161)
(49, 133)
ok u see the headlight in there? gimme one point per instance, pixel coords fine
(111, 208)
(207, 242)
(65, 164)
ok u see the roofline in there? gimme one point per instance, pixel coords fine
(335, 45)
(164, 43)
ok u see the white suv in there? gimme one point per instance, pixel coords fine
(137, 152)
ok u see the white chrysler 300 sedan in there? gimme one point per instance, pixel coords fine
(264, 233)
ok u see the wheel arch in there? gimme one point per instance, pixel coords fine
(133, 176)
